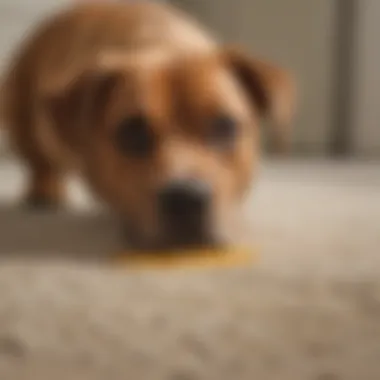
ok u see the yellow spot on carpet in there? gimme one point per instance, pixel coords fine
(221, 258)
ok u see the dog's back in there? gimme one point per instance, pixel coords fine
(52, 56)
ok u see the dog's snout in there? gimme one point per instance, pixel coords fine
(184, 201)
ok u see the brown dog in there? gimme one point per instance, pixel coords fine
(161, 120)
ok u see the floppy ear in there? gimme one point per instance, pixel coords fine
(272, 91)
(81, 99)
(83, 93)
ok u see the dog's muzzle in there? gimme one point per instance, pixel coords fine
(184, 210)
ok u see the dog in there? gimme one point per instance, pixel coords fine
(159, 117)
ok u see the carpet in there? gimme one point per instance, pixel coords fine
(309, 308)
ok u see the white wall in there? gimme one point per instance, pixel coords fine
(366, 134)
(16, 17)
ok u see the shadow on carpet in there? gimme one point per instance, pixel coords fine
(28, 235)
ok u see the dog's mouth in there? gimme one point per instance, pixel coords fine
(184, 220)
(189, 232)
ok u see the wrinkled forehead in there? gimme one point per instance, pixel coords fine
(206, 84)
(167, 87)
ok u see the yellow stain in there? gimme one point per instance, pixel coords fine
(190, 259)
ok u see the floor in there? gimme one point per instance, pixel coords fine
(309, 308)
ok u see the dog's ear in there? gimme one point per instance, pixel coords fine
(82, 97)
(270, 88)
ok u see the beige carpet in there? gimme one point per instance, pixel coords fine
(309, 309)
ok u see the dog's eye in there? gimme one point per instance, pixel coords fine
(134, 138)
(223, 131)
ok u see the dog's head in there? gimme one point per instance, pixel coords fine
(173, 143)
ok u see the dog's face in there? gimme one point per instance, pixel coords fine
(173, 144)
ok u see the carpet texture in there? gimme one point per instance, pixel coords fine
(309, 308)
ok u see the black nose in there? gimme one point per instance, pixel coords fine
(185, 203)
